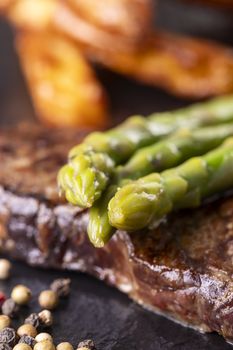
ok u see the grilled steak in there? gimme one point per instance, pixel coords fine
(183, 269)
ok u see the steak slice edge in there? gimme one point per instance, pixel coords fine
(183, 269)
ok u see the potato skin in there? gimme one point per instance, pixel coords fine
(128, 20)
(63, 86)
(29, 15)
(119, 36)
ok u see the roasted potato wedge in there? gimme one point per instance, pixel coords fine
(84, 30)
(130, 19)
(5, 4)
(183, 66)
(63, 86)
(29, 14)
(186, 67)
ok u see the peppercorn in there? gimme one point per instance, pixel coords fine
(22, 346)
(33, 319)
(87, 344)
(48, 299)
(26, 339)
(44, 345)
(27, 329)
(10, 308)
(8, 336)
(4, 346)
(2, 298)
(5, 268)
(21, 294)
(5, 321)
(42, 337)
(64, 346)
(46, 318)
(61, 286)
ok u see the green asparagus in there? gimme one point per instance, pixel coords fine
(146, 201)
(163, 155)
(84, 178)
(92, 163)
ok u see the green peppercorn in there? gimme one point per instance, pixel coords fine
(5, 321)
(48, 299)
(64, 346)
(21, 294)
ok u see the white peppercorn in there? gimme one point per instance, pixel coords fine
(46, 318)
(5, 268)
(44, 345)
(64, 346)
(22, 346)
(21, 294)
(27, 329)
(48, 299)
(43, 336)
(5, 321)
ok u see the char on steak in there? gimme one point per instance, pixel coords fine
(182, 269)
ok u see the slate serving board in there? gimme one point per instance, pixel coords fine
(95, 310)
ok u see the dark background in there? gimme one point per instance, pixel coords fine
(95, 310)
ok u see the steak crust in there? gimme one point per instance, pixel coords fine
(183, 269)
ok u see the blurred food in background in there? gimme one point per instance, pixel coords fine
(27, 14)
(58, 41)
(62, 84)
(119, 23)
(185, 67)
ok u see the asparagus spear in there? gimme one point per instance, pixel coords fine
(91, 164)
(163, 155)
(146, 201)
(84, 178)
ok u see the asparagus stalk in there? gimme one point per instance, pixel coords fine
(146, 201)
(92, 163)
(163, 155)
(99, 229)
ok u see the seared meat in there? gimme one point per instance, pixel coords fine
(30, 157)
(182, 269)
